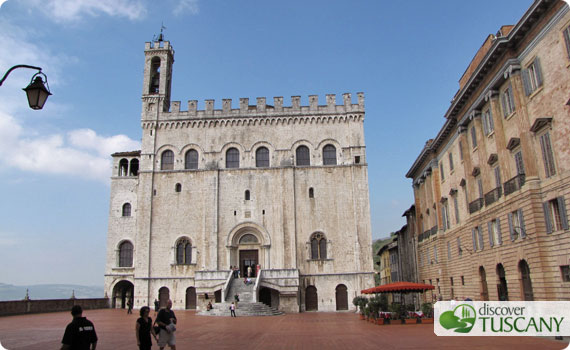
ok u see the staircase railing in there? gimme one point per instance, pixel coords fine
(256, 287)
(226, 285)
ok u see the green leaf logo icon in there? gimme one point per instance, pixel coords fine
(461, 320)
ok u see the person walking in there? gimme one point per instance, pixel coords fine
(130, 306)
(249, 271)
(143, 329)
(155, 306)
(232, 310)
(80, 333)
(166, 321)
(236, 299)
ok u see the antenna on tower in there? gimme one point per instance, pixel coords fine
(160, 36)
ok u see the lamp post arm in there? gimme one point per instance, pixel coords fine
(16, 67)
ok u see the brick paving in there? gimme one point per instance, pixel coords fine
(293, 331)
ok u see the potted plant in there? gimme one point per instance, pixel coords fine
(374, 307)
(427, 309)
(410, 317)
(360, 303)
(396, 310)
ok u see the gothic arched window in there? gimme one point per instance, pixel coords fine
(126, 254)
(191, 159)
(126, 209)
(184, 252)
(302, 155)
(329, 155)
(134, 167)
(318, 246)
(262, 157)
(167, 160)
(232, 158)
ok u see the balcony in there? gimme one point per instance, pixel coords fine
(493, 196)
(514, 184)
(433, 231)
(476, 205)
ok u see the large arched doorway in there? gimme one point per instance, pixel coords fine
(311, 299)
(484, 289)
(218, 296)
(122, 292)
(502, 289)
(163, 296)
(191, 298)
(526, 283)
(341, 297)
(249, 245)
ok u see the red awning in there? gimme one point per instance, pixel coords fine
(399, 287)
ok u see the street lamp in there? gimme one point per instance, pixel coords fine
(36, 91)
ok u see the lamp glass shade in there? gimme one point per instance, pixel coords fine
(37, 93)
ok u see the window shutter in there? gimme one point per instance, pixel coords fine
(511, 231)
(538, 71)
(481, 242)
(499, 235)
(547, 218)
(562, 209)
(544, 156)
(491, 122)
(567, 39)
(547, 154)
(489, 228)
(485, 123)
(526, 82)
(474, 239)
(521, 222)
(503, 97)
(512, 98)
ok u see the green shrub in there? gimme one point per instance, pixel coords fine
(427, 309)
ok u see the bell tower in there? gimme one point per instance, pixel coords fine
(159, 57)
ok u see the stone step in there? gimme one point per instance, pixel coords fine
(243, 309)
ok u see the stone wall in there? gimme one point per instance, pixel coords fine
(19, 307)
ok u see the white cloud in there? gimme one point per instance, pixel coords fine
(82, 153)
(74, 10)
(187, 5)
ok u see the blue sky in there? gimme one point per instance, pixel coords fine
(407, 56)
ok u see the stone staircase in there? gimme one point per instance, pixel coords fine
(246, 306)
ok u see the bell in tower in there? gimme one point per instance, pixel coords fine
(159, 57)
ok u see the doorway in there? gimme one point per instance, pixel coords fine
(122, 293)
(502, 289)
(248, 258)
(311, 299)
(191, 298)
(341, 297)
(163, 296)
(525, 280)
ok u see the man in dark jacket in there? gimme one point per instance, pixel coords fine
(80, 333)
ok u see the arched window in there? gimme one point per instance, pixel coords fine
(329, 155)
(302, 155)
(248, 239)
(262, 157)
(154, 76)
(232, 158)
(126, 254)
(311, 193)
(134, 167)
(178, 188)
(318, 246)
(191, 159)
(167, 160)
(127, 209)
(247, 195)
(123, 167)
(184, 252)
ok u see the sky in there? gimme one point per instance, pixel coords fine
(55, 165)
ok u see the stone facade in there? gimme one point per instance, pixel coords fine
(216, 188)
(491, 188)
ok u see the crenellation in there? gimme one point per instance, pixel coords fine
(295, 103)
(209, 107)
(226, 105)
(175, 106)
(313, 102)
(278, 103)
(192, 107)
(331, 101)
(261, 104)
(360, 99)
(244, 105)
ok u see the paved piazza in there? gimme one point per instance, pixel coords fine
(293, 331)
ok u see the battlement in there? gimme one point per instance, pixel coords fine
(165, 45)
(261, 108)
